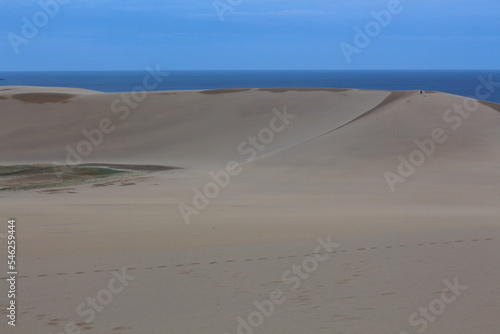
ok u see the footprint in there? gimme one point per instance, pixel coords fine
(194, 263)
(388, 293)
(54, 322)
(162, 266)
(361, 249)
(213, 262)
(122, 328)
(42, 275)
(388, 246)
(81, 324)
(459, 241)
(229, 261)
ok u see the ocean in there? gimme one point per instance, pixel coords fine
(463, 83)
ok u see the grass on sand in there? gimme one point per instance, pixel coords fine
(26, 177)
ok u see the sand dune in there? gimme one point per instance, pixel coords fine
(407, 184)
(189, 129)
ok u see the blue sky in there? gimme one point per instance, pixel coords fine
(255, 34)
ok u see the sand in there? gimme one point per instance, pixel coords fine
(319, 171)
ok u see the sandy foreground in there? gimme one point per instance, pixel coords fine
(289, 211)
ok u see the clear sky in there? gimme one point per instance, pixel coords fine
(249, 34)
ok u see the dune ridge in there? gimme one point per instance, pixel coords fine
(201, 124)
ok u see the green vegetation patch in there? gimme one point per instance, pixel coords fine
(26, 177)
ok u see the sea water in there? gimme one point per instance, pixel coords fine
(463, 83)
